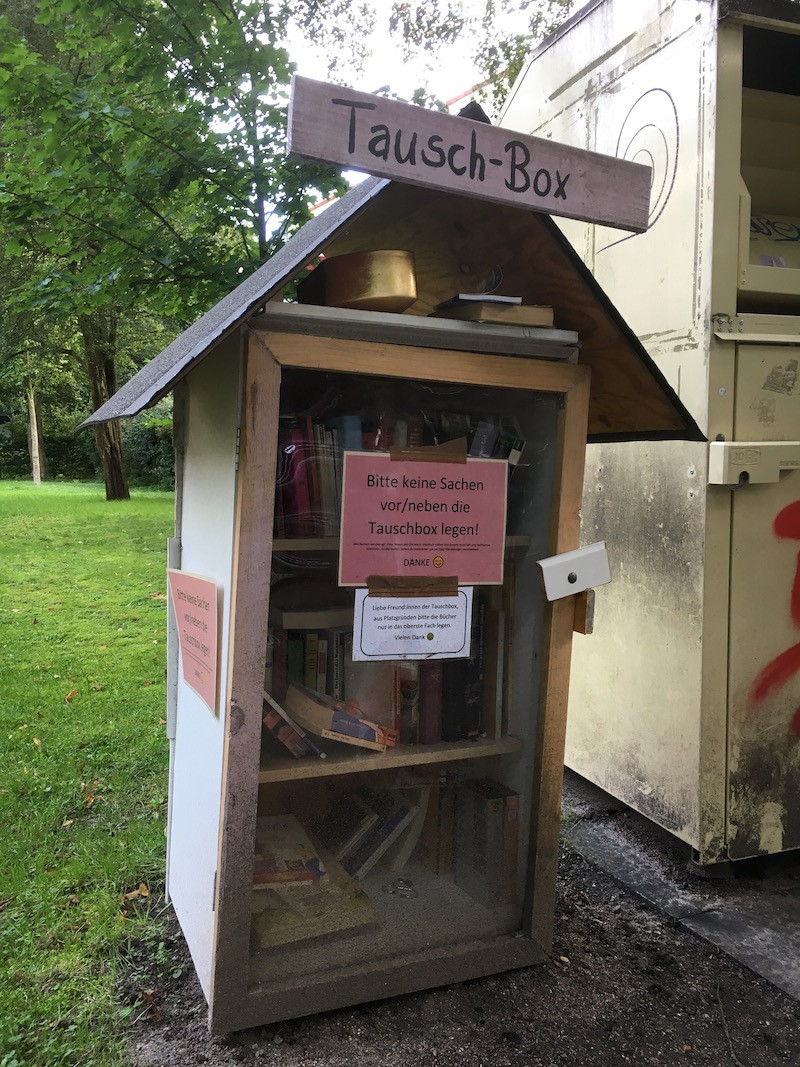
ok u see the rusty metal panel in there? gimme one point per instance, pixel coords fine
(635, 691)
(764, 731)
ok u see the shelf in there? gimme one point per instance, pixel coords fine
(436, 915)
(343, 759)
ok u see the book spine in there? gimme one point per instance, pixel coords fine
(300, 520)
(430, 702)
(279, 663)
(295, 658)
(310, 654)
(321, 684)
(510, 847)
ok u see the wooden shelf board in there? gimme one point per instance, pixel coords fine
(351, 760)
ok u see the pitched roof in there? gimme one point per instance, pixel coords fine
(456, 240)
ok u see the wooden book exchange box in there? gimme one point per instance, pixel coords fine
(425, 854)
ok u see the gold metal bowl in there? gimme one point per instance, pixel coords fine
(379, 280)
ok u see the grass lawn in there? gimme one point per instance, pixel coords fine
(84, 782)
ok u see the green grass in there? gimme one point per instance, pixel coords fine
(83, 784)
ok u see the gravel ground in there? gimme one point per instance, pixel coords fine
(626, 984)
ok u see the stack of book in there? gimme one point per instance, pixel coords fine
(364, 828)
(491, 308)
(301, 892)
(308, 484)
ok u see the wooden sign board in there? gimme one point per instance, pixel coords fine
(331, 124)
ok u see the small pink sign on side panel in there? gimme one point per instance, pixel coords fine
(406, 517)
(194, 600)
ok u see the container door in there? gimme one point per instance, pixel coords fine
(764, 671)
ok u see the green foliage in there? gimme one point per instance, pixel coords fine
(149, 451)
(138, 161)
(83, 798)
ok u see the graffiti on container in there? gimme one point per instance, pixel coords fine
(785, 666)
(777, 229)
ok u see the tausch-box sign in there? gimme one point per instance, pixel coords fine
(360, 131)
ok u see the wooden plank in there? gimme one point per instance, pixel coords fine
(548, 768)
(533, 342)
(247, 654)
(584, 612)
(422, 364)
(391, 139)
(358, 985)
(352, 760)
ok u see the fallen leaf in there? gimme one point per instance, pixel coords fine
(37, 742)
(67, 823)
(151, 1005)
(147, 683)
(97, 688)
(71, 899)
(162, 722)
(68, 698)
(158, 596)
(5, 903)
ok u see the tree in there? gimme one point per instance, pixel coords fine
(142, 164)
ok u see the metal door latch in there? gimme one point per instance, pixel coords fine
(747, 462)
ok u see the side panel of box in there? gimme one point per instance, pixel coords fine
(207, 509)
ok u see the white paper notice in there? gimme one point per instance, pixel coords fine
(411, 627)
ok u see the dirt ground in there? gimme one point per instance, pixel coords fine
(625, 985)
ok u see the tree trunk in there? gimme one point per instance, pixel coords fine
(99, 333)
(35, 438)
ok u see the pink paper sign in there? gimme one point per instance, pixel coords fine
(194, 601)
(405, 517)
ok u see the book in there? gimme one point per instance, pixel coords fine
(435, 846)
(284, 854)
(395, 814)
(369, 684)
(494, 299)
(325, 717)
(499, 314)
(483, 439)
(279, 639)
(337, 639)
(287, 736)
(430, 702)
(462, 684)
(487, 841)
(318, 618)
(346, 824)
(405, 690)
(310, 655)
(335, 906)
(403, 849)
(296, 487)
(276, 710)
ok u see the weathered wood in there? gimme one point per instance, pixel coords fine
(349, 760)
(548, 764)
(421, 364)
(361, 983)
(534, 342)
(247, 653)
(413, 144)
(584, 612)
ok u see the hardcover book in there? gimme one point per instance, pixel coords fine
(284, 854)
(395, 814)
